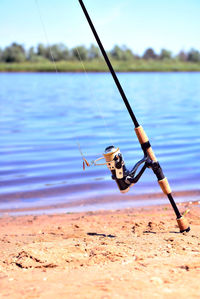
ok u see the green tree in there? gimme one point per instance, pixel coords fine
(149, 54)
(34, 57)
(42, 50)
(57, 52)
(165, 54)
(127, 54)
(182, 56)
(65, 52)
(117, 53)
(94, 52)
(14, 53)
(31, 55)
(1, 55)
(194, 55)
(122, 53)
(136, 56)
(79, 52)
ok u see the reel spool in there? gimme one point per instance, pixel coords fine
(123, 177)
(116, 165)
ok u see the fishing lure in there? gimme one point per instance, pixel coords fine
(113, 158)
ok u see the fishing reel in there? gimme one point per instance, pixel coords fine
(114, 160)
(124, 178)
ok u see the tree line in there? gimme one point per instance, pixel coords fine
(60, 52)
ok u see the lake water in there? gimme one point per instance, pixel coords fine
(43, 117)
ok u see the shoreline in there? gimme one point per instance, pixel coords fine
(100, 66)
(107, 202)
(95, 71)
(136, 252)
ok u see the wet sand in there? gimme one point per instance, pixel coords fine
(132, 253)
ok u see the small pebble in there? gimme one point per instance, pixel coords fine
(167, 290)
(156, 280)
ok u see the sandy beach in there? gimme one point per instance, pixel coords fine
(132, 253)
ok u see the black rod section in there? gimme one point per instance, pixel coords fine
(110, 66)
(174, 206)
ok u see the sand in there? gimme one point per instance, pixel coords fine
(133, 253)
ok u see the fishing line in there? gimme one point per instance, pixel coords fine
(46, 36)
(94, 97)
(51, 54)
(84, 69)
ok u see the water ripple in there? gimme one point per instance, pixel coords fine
(43, 116)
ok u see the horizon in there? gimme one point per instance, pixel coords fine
(88, 47)
(36, 22)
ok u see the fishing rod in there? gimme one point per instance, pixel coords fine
(113, 157)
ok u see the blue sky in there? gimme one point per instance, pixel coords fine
(172, 24)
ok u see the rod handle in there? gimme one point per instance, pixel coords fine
(164, 185)
(162, 180)
(142, 137)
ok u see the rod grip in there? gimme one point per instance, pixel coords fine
(142, 137)
(164, 185)
(162, 180)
